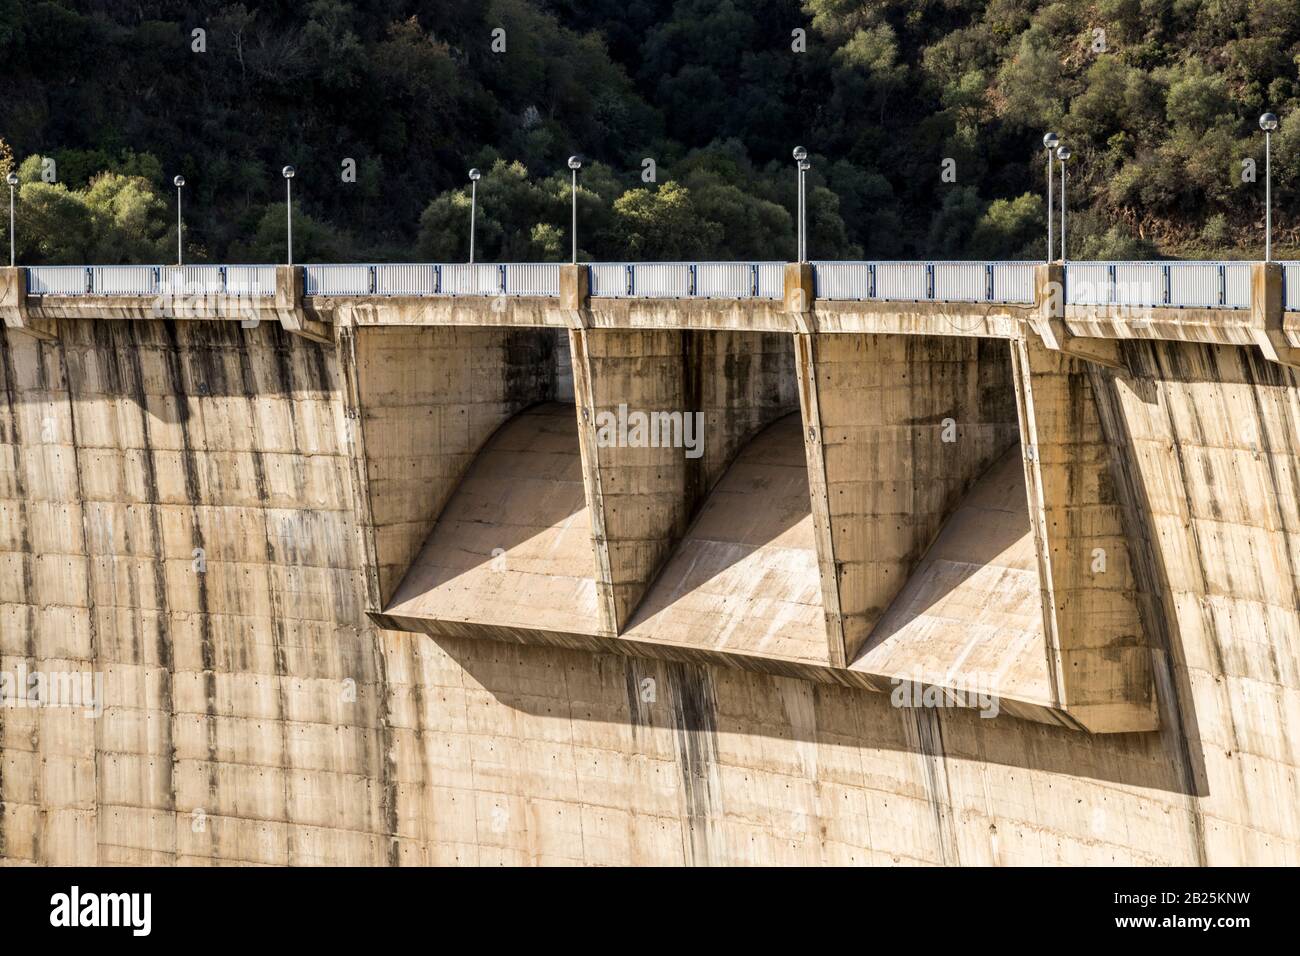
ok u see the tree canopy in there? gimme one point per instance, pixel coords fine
(1157, 100)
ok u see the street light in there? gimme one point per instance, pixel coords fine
(180, 182)
(575, 164)
(801, 166)
(1268, 123)
(287, 173)
(1050, 142)
(1063, 154)
(474, 176)
(12, 180)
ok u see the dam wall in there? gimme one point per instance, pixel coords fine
(348, 603)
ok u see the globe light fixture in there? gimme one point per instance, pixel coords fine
(1268, 123)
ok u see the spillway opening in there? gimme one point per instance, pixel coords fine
(744, 577)
(512, 548)
(970, 614)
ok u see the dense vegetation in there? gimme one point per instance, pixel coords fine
(1157, 98)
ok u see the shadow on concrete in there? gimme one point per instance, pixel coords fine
(744, 576)
(512, 547)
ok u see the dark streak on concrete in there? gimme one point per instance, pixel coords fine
(694, 709)
(1178, 726)
(193, 492)
(928, 729)
(134, 385)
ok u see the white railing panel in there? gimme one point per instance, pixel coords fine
(960, 281)
(465, 279)
(1013, 281)
(661, 280)
(56, 280)
(724, 280)
(1088, 283)
(1194, 284)
(608, 280)
(771, 280)
(533, 278)
(191, 280)
(841, 280)
(1237, 285)
(124, 280)
(901, 281)
(1139, 283)
(336, 280)
(250, 281)
(408, 279)
(1291, 286)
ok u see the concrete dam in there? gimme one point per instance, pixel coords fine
(494, 579)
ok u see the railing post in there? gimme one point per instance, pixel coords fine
(1112, 293)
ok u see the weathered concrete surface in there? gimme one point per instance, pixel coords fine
(744, 577)
(643, 494)
(512, 548)
(419, 403)
(899, 429)
(971, 615)
(1098, 652)
(255, 714)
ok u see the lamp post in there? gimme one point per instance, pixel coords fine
(801, 166)
(1268, 123)
(12, 180)
(1063, 154)
(803, 187)
(179, 181)
(575, 164)
(1050, 142)
(287, 173)
(474, 176)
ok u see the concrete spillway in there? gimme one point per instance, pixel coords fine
(971, 614)
(744, 578)
(512, 548)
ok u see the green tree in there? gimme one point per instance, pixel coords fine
(662, 223)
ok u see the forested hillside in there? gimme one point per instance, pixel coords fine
(1157, 98)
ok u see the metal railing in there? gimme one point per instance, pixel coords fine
(250, 281)
(1212, 285)
(426, 279)
(687, 280)
(1009, 282)
(1291, 286)
(1178, 285)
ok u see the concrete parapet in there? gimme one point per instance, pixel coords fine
(1267, 316)
(1049, 320)
(289, 307)
(13, 305)
(800, 290)
(575, 286)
